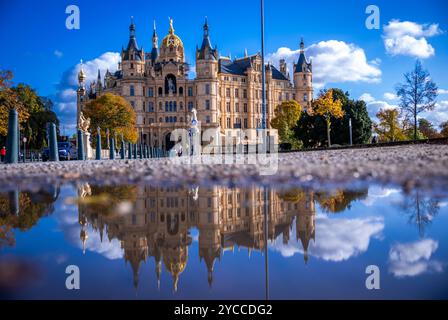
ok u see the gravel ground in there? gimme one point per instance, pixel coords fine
(412, 166)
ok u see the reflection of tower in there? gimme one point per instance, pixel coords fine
(83, 234)
(175, 260)
(135, 251)
(209, 229)
(305, 224)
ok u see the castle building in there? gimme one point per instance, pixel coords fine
(226, 93)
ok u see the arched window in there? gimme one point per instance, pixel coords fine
(160, 91)
(181, 91)
(175, 106)
(175, 119)
(181, 105)
(171, 106)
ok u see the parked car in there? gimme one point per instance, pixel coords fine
(67, 151)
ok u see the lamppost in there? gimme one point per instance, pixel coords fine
(24, 149)
(351, 132)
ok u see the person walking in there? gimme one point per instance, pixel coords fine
(3, 154)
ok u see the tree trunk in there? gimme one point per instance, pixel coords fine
(328, 133)
(415, 122)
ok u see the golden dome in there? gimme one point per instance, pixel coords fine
(171, 39)
(81, 74)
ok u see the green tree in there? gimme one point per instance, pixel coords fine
(427, 129)
(339, 200)
(356, 110)
(286, 116)
(114, 113)
(389, 128)
(328, 108)
(418, 93)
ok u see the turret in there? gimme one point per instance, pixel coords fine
(303, 79)
(155, 45)
(133, 58)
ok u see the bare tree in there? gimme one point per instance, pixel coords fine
(418, 93)
(421, 209)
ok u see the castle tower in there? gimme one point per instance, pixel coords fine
(99, 86)
(172, 48)
(155, 46)
(81, 93)
(303, 79)
(207, 80)
(132, 59)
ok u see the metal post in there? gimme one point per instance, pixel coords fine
(81, 155)
(12, 138)
(351, 131)
(129, 150)
(112, 148)
(140, 147)
(135, 151)
(98, 144)
(122, 149)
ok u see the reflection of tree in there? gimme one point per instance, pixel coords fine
(292, 195)
(421, 209)
(339, 200)
(105, 199)
(22, 210)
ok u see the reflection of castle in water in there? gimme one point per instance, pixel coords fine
(159, 223)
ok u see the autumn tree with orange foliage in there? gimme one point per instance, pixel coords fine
(114, 113)
(327, 107)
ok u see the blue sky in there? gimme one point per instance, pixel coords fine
(41, 51)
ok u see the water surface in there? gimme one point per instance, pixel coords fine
(161, 242)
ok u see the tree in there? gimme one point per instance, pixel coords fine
(389, 126)
(427, 129)
(327, 107)
(311, 130)
(9, 99)
(444, 129)
(114, 113)
(339, 200)
(286, 116)
(356, 110)
(418, 93)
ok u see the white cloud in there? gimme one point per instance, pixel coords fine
(333, 62)
(413, 259)
(65, 97)
(377, 105)
(390, 96)
(438, 115)
(58, 54)
(409, 38)
(367, 97)
(336, 239)
(442, 91)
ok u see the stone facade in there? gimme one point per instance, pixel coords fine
(226, 93)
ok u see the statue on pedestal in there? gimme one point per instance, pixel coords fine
(84, 126)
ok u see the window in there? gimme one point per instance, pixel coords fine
(209, 217)
(166, 106)
(280, 96)
(207, 119)
(228, 92)
(245, 94)
(133, 104)
(245, 107)
(144, 91)
(237, 107)
(167, 119)
(190, 91)
(207, 104)
(245, 123)
(132, 91)
(228, 123)
(190, 106)
(287, 96)
(151, 92)
(144, 106)
(150, 106)
(237, 93)
(160, 106)
(305, 97)
(181, 91)
(132, 66)
(175, 106)
(207, 89)
(160, 91)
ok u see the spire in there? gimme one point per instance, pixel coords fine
(81, 75)
(206, 51)
(303, 66)
(155, 38)
(99, 75)
(171, 31)
(302, 46)
(132, 28)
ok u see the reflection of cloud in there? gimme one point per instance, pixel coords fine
(336, 239)
(69, 225)
(413, 259)
(377, 193)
